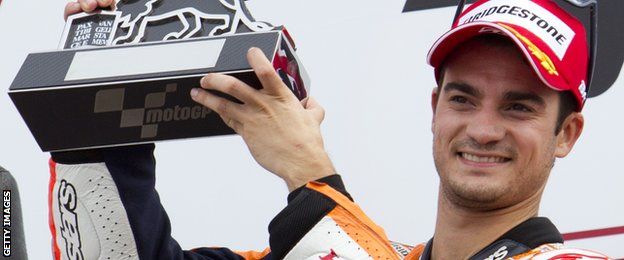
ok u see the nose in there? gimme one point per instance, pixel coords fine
(485, 127)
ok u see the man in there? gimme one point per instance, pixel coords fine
(508, 103)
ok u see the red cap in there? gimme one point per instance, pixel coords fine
(553, 41)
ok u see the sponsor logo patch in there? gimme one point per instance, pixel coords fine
(548, 27)
(545, 61)
(67, 202)
(583, 90)
(500, 254)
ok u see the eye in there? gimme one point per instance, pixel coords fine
(458, 99)
(519, 107)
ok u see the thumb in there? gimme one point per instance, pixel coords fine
(311, 105)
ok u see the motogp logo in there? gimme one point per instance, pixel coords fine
(151, 114)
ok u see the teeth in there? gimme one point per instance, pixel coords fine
(480, 159)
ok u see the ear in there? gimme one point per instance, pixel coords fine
(434, 105)
(434, 99)
(570, 132)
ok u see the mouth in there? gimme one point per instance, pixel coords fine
(483, 159)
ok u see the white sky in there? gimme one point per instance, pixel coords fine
(367, 64)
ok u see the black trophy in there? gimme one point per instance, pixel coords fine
(124, 76)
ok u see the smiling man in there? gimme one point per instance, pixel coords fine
(510, 91)
(496, 136)
(506, 107)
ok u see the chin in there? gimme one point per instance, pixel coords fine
(475, 195)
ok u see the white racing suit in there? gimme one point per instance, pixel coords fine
(103, 205)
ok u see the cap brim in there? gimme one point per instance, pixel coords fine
(452, 39)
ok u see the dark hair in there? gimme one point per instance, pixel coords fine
(567, 101)
(567, 105)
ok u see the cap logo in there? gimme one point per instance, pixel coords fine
(545, 61)
(583, 89)
(541, 22)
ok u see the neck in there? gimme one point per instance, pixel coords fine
(462, 232)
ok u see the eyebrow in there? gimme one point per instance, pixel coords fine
(525, 96)
(509, 96)
(462, 87)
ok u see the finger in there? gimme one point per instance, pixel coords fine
(304, 102)
(315, 108)
(225, 108)
(231, 86)
(87, 5)
(105, 3)
(71, 8)
(263, 68)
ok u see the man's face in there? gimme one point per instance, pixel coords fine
(494, 128)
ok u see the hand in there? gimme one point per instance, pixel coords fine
(282, 133)
(86, 6)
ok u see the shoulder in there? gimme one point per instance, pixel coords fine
(559, 252)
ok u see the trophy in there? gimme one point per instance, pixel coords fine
(123, 76)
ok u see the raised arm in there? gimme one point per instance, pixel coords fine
(103, 203)
(321, 221)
